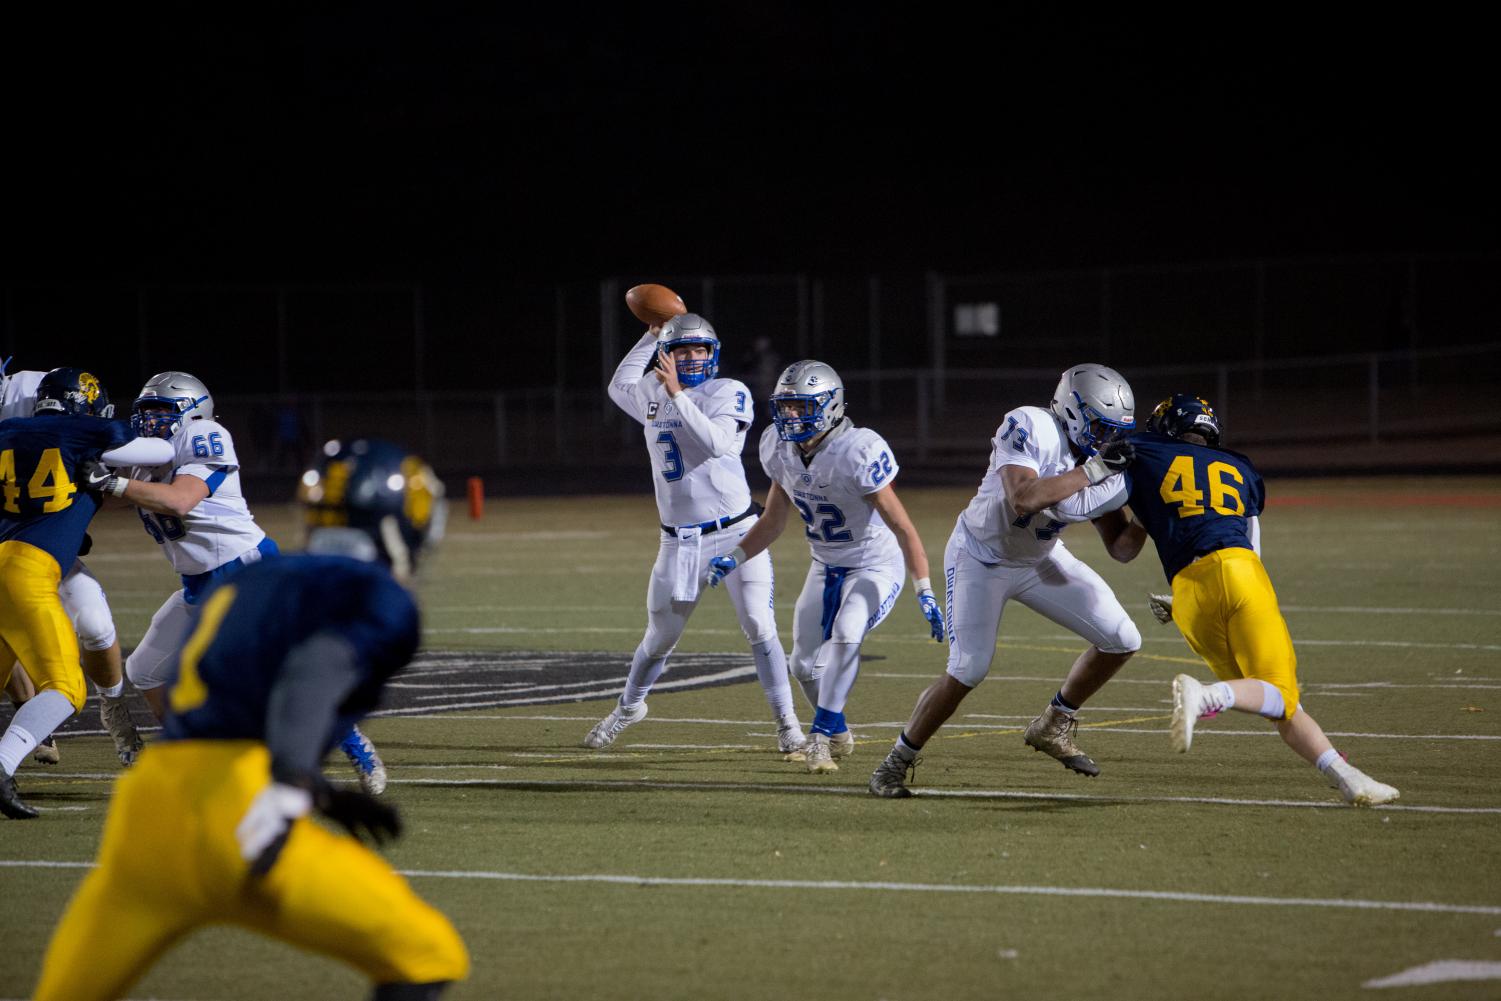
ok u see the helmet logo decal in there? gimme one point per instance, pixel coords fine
(88, 385)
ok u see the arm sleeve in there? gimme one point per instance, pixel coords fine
(1108, 495)
(625, 384)
(316, 677)
(1253, 532)
(140, 452)
(722, 434)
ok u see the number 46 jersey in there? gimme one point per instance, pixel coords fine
(831, 492)
(220, 528)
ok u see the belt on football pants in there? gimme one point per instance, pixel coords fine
(708, 527)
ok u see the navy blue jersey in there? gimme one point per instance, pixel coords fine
(41, 503)
(1192, 499)
(250, 623)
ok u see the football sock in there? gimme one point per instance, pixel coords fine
(810, 689)
(905, 749)
(1272, 706)
(1221, 697)
(1061, 703)
(828, 723)
(47, 711)
(645, 671)
(771, 671)
(839, 675)
(113, 691)
(1326, 759)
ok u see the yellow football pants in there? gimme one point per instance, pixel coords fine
(1225, 605)
(34, 627)
(169, 863)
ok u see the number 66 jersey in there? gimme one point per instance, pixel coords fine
(831, 492)
(220, 528)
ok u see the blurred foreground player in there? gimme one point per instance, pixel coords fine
(211, 825)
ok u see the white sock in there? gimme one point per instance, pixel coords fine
(771, 671)
(33, 722)
(113, 691)
(644, 673)
(1326, 759)
(810, 689)
(839, 675)
(1221, 697)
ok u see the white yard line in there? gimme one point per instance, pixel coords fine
(802, 885)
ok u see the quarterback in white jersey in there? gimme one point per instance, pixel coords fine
(695, 426)
(839, 478)
(1005, 546)
(84, 601)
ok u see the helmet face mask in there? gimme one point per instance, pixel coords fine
(371, 500)
(1095, 405)
(691, 330)
(167, 401)
(1185, 413)
(807, 402)
(72, 391)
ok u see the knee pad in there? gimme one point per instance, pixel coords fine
(95, 628)
(803, 670)
(968, 669)
(143, 675)
(1125, 638)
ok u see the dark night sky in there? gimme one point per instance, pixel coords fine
(390, 142)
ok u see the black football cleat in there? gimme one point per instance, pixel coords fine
(10, 801)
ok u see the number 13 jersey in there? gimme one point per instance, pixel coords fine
(832, 493)
(220, 528)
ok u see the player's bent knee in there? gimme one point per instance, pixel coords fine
(71, 688)
(969, 671)
(1125, 638)
(803, 670)
(96, 630)
(433, 953)
(141, 675)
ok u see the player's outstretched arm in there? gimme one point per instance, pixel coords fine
(767, 529)
(894, 514)
(624, 387)
(184, 493)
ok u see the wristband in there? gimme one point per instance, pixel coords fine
(738, 555)
(115, 485)
(922, 585)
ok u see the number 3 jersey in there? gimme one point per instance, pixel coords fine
(831, 491)
(990, 529)
(1192, 499)
(220, 528)
(694, 440)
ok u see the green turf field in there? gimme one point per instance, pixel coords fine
(689, 861)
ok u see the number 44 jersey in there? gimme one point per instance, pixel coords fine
(831, 492)
(220, 528)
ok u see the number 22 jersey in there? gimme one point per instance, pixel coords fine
(831, 492)
(1192, 499)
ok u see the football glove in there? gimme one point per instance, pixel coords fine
(1113, 457)
(101, 479)
(263, 831)
(720, 566)
(1161, 606)
(358, 813)
(930, 609)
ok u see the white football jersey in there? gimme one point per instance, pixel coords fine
(220, 528)
(18, 394)
(832, 493)
(989, 527)
(694, 441)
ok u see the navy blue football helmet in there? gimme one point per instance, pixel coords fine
(369, 499)
(72, 391)
(1185, 413)
(691, 330)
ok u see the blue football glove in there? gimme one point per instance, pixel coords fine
(720, 566)
(930, 609)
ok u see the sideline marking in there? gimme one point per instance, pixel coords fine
(1440, 971)
(1422, 906)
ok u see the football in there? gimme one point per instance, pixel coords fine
(654, 305)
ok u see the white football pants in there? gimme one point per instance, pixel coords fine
(1060, 587)
(750, 588)
(151, 663)
(87, 608)
(863, 600)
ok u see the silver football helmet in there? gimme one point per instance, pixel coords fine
(691, 329)
(167, 401)
(807, 401)
(1095, 404)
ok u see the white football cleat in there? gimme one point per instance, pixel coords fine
(607, 729)
(816, 757)
(1359, 789)
(790, 738)
(1191, 702)
(842, 745)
